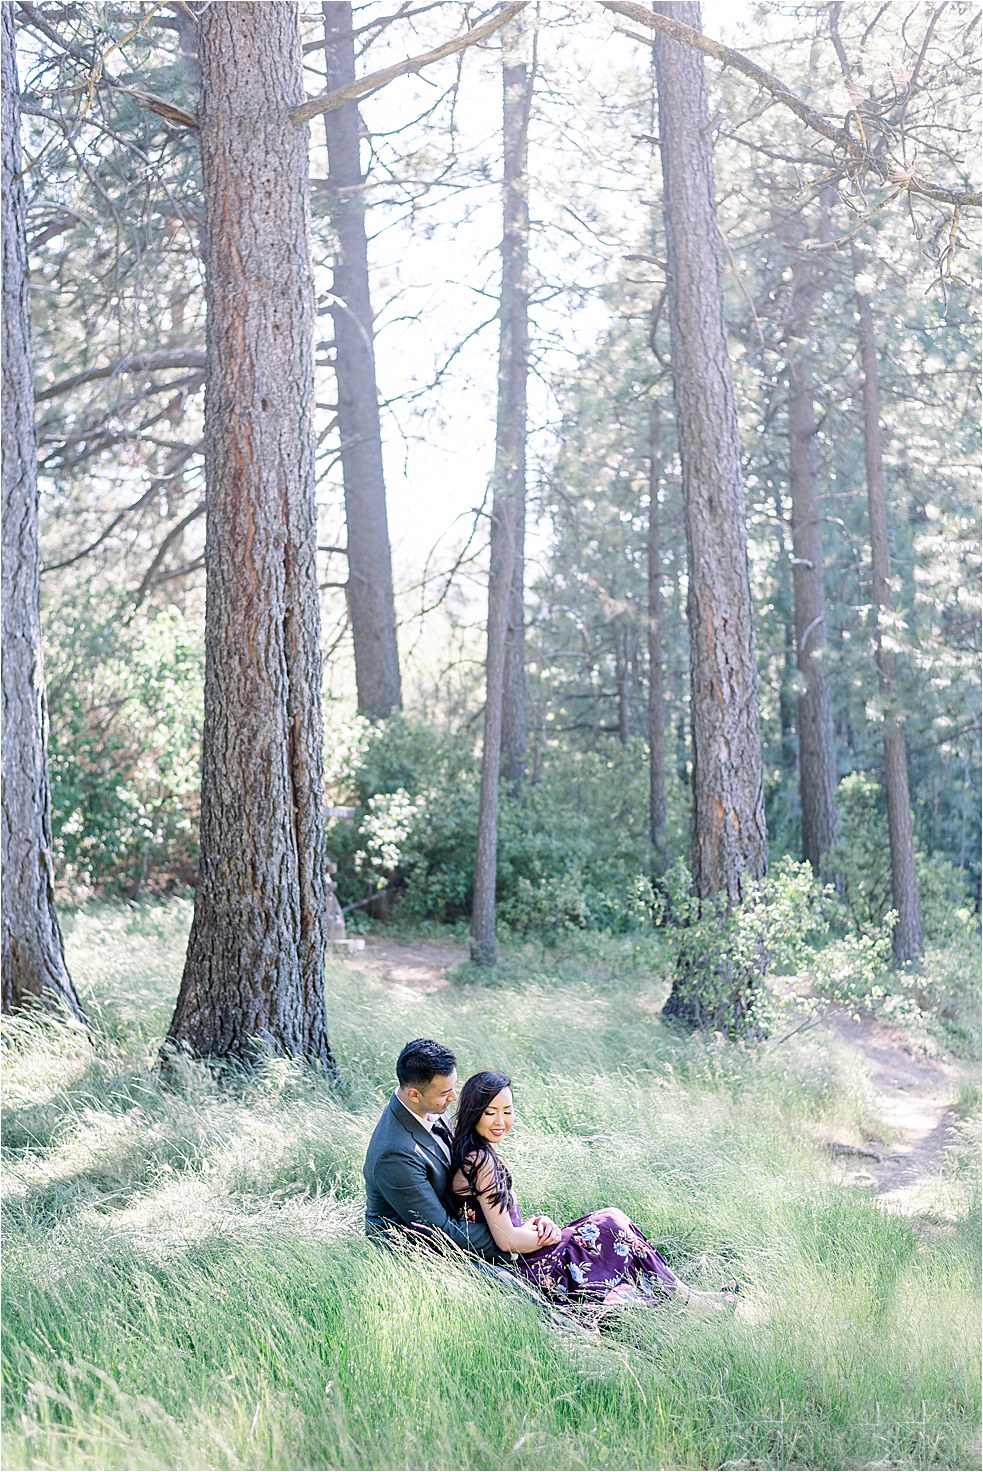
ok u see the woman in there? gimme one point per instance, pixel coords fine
(602, 1256)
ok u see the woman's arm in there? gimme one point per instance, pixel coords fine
(507, 1236)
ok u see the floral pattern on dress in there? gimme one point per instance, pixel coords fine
(624, 1243)
(588, 1236)
(595, 1254)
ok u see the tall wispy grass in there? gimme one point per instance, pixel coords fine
(187, 1285)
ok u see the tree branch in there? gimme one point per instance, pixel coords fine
(136, 363)
(315, 106)
(153, 576)
(854, 148)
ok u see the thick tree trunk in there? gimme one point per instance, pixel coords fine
(370, 577)
(909, 942)
(505, 618)
(817, 758)
(729, 841)
(255, 964)
(510, 443)
(33, 969)
(657, 757)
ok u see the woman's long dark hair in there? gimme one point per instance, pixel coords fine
(469, 1151)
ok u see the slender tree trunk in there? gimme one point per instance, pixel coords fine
(622, 669)
(657, 757)
(783, 607)
(510, 447)
(33, 967)
(508, 505)
(255, 962)
(729, 841)
(515, 719)
(909, 943)
(817, 756)
(370, 578)
(678, 642)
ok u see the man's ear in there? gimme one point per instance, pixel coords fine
(413, 1094)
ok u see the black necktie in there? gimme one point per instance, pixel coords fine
(443, 1134)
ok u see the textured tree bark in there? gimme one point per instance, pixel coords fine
(510, 442)
(505, 618)
(909, 941)
(817, 757)
(255, 965)
(33, 969)
(370, 577)
(657, 756)
(729, 841)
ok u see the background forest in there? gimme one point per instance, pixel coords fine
(616, 614)
(118, 323)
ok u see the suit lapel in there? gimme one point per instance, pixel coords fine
(419, 1132)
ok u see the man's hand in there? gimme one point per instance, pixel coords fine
(546, 1230)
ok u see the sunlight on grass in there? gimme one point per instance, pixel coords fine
(187, 1283)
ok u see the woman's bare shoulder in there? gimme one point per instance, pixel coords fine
(482, 1181)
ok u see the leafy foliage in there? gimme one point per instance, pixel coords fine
(722, 953)
(862, 861)
(124, 701)
(573, 847)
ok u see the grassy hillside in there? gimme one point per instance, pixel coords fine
(187, 1285)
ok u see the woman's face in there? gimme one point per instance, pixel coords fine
(497, 1119)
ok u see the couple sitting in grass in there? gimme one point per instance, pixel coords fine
(427, 1179)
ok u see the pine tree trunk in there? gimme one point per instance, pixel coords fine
(255, 964)
(677, 641)
(783, 608)
(622, 677)
(729, 841)
(508, 509)
(514, 690)
(817, 756)
(370, 578)
(909, 942)
(657, 759)
(817, 759)
(33, 968)
(510, 444)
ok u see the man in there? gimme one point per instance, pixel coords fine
(407, 1165)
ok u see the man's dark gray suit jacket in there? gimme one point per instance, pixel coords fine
(407, 1183)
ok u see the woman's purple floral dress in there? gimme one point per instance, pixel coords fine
(595, 1254)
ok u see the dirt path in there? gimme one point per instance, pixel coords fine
(419, 965)
(912, 1095)
(913, 1100)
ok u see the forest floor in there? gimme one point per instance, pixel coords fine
(912, 1095)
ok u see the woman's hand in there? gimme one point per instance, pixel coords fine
(547, 1231)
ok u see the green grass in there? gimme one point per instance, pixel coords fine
(186, 1282)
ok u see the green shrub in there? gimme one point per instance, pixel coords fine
(723, 952)
(416, 794)
(125, 704)
(862, 863)
(573, 848)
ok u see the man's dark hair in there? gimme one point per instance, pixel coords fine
(422, 1060)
